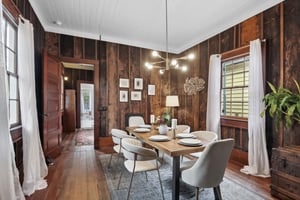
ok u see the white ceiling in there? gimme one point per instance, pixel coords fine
(141, 23)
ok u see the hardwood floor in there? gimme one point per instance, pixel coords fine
(78, 175)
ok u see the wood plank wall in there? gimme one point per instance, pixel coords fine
(122, 61)
(279, 25)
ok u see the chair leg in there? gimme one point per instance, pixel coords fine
(146, 176)
(110, 160)
(196, 193)
(217, 192)
(120, 179)
(131, 181)
(161, 187)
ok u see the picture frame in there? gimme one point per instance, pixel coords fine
(136, 96)
(138, 83)
(124, 83)
(123, 96)
(151, 90)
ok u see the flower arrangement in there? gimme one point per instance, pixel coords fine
(165, 119)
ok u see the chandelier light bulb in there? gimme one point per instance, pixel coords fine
(191, 56)
(184, 68)
(148, 65)
(155, 54)
(174, 62)
(161, 71)
(176, 66)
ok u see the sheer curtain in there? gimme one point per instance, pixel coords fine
(257, 150)
(35, 168)
(10, 187)
(213, 95)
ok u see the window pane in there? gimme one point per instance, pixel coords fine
(11, 37)
(13, 87)
(10, 61)
(14, 112)
(234, 93)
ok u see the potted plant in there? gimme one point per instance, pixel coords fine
(283, 104)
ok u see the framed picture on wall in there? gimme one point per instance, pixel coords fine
(151, 89)
(123, 96)
(124, 83)
(138, 83)
(136, 96)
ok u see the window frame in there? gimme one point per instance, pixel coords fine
(11, 20)
(232, 121)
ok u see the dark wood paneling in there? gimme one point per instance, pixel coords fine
(78, 47)
(250, 30)
(90, 49)
(204, 70)
(66, 46)
(291, 43)
(104, 89)
(227, 40)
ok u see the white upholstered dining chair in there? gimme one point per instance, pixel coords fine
(208, 170)
(206, 136)
(117, 136)
(139, 159)
(183, 129)
(134, 119)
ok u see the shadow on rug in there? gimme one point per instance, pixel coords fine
(84, 137)
(141, 189)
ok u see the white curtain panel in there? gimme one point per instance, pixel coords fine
(213, 95)
(35, 168)
(10, 187)
(257, 150)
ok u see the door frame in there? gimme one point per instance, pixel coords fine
(96, 93)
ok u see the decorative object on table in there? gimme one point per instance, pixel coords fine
(174, 126)
(163, 129)
(123, 96)
(136, 96)
(152, 119)
(151, 90)
(138, 83)
(124, 83)
(167, 63)
(193, 85)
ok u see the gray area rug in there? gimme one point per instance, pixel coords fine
(150, 190)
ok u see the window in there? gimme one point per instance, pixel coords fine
(234, 90)
(9, 38)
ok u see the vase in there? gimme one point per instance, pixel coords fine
(163, 129)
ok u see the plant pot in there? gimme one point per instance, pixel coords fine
(163, 129)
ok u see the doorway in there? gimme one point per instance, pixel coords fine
(86, 106)
(80, 78)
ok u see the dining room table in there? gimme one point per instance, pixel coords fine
(172, 147)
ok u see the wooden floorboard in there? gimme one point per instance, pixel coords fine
(78, 175)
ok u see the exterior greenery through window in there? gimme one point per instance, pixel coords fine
(9, 38)
(234, 90)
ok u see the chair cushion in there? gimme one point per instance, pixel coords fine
(141, 165)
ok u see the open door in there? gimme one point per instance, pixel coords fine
(52, 106)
